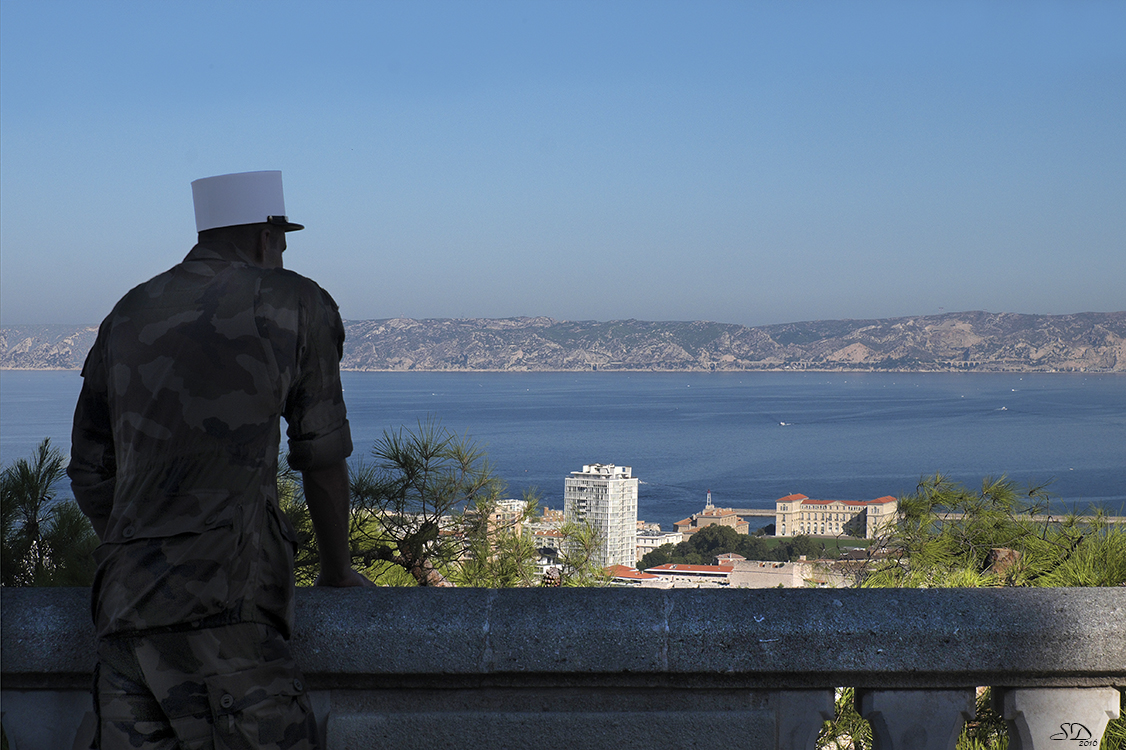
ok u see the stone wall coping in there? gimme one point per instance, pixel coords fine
(722, 638)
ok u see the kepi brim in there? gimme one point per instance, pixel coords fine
(284, 223)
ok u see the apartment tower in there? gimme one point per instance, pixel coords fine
(605, 496)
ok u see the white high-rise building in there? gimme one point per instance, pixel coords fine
(605, 496)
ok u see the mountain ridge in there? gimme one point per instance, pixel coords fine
(964, 341)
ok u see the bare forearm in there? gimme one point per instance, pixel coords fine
(326, 493)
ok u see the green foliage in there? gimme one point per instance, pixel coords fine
(306, 560)
(707, 543)
(947, 533)
(1115, 736)
(1096, 556)
(715, 540)
(71, 540)
(580, 547)
(409, 507)
(987, 731)
(802, 545)
(847, 731)
(946, 537)
(427, 512)
(808, 333)
(698, 335)
(497, 554)
(659, 556)
(46, 542)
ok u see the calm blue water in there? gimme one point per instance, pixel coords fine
(847, 436)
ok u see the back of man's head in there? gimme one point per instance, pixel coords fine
(243, 236)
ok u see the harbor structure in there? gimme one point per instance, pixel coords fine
(711, 516)
(605, 496)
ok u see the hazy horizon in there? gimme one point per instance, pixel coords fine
(68, 324)
(751, 163)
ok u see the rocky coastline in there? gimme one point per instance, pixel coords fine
(951, 342)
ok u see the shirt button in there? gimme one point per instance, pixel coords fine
(227, 700)
(128, 532)
(211, 519)
(298, 685)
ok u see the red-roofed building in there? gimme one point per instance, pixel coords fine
(798, 514)
(682, 574)
(623, 575)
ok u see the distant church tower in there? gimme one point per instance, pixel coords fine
(605, 496)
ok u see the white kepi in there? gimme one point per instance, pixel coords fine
(229, 200)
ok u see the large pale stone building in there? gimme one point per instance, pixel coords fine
(798, 514)
(605, 496)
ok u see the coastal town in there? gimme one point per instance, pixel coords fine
(605, 497)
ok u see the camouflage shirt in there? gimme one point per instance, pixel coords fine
(176, 434)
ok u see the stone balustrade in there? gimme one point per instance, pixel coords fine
(614, 668)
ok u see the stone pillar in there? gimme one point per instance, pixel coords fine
(1039, 718)
(798, 716)
(916, 719)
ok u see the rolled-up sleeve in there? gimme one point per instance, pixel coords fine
(318, 430)
(93, 463)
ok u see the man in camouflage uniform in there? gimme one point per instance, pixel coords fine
(174, 460)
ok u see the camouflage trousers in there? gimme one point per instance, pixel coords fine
(232, 687)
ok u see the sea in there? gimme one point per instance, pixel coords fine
(749, 438)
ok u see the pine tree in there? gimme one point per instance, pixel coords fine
(46, 541)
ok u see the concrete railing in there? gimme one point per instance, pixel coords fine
(588, 668)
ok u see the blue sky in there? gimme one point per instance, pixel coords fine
(741, 162)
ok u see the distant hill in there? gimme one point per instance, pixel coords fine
(45, 347)
(974, 341)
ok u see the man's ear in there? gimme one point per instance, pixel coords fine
(262, 247)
